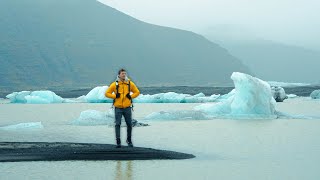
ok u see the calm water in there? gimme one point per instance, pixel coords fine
(73, 93)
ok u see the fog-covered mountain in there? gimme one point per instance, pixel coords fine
(269, 60)
(71, 43)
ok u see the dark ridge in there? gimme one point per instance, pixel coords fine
(60, 151)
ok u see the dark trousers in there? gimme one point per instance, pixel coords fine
(127, 113)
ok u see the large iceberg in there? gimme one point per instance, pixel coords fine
(315, 94)
(23, 126)
(35, 97)
(95, 118)
(252, 98)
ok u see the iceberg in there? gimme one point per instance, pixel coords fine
(252, 98)
(35, 97)
(23, 126)
(278, 93)
(97, 95)
(95, 118)
(315, 94)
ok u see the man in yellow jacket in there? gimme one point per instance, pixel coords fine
(120, 91)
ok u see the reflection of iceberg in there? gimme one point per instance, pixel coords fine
(177, 115)
(35, 97)
(252, 98)
(94, 118)
(23, 126)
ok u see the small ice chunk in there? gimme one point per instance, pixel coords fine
(278, 93)
(315, 94)
(292, 95)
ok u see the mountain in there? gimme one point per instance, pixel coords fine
(71, 43)
(269, 60)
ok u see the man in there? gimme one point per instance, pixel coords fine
(119, 91)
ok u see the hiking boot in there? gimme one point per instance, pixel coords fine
(118, 143)
(129, 142)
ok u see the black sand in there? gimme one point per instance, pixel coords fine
(59, 151)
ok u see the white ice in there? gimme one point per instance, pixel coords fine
(94, 117)
(35, 97)
(172, 97)
(252, 98)
(287, 84)
(97, 95)
(23, 126)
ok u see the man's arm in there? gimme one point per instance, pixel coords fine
(110, 90)
(135, 90)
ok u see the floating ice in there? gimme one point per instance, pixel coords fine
(97, 95)
(278, 93)
(315, 94)
(23, 126)
(172, 97)
(292, 95)
(177, 115)
(252, 98)
(35, 97)
(286, 84)
(94, 118)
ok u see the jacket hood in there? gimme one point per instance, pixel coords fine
(126, 79)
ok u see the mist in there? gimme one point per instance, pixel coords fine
(289, 22)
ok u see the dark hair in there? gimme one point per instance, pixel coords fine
(121, 70)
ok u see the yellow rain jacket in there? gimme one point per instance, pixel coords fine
(122, 101)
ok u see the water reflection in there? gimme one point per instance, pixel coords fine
(123, 173)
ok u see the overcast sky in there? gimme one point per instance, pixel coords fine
(295, 22)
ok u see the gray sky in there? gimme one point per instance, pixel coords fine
(295, 22)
